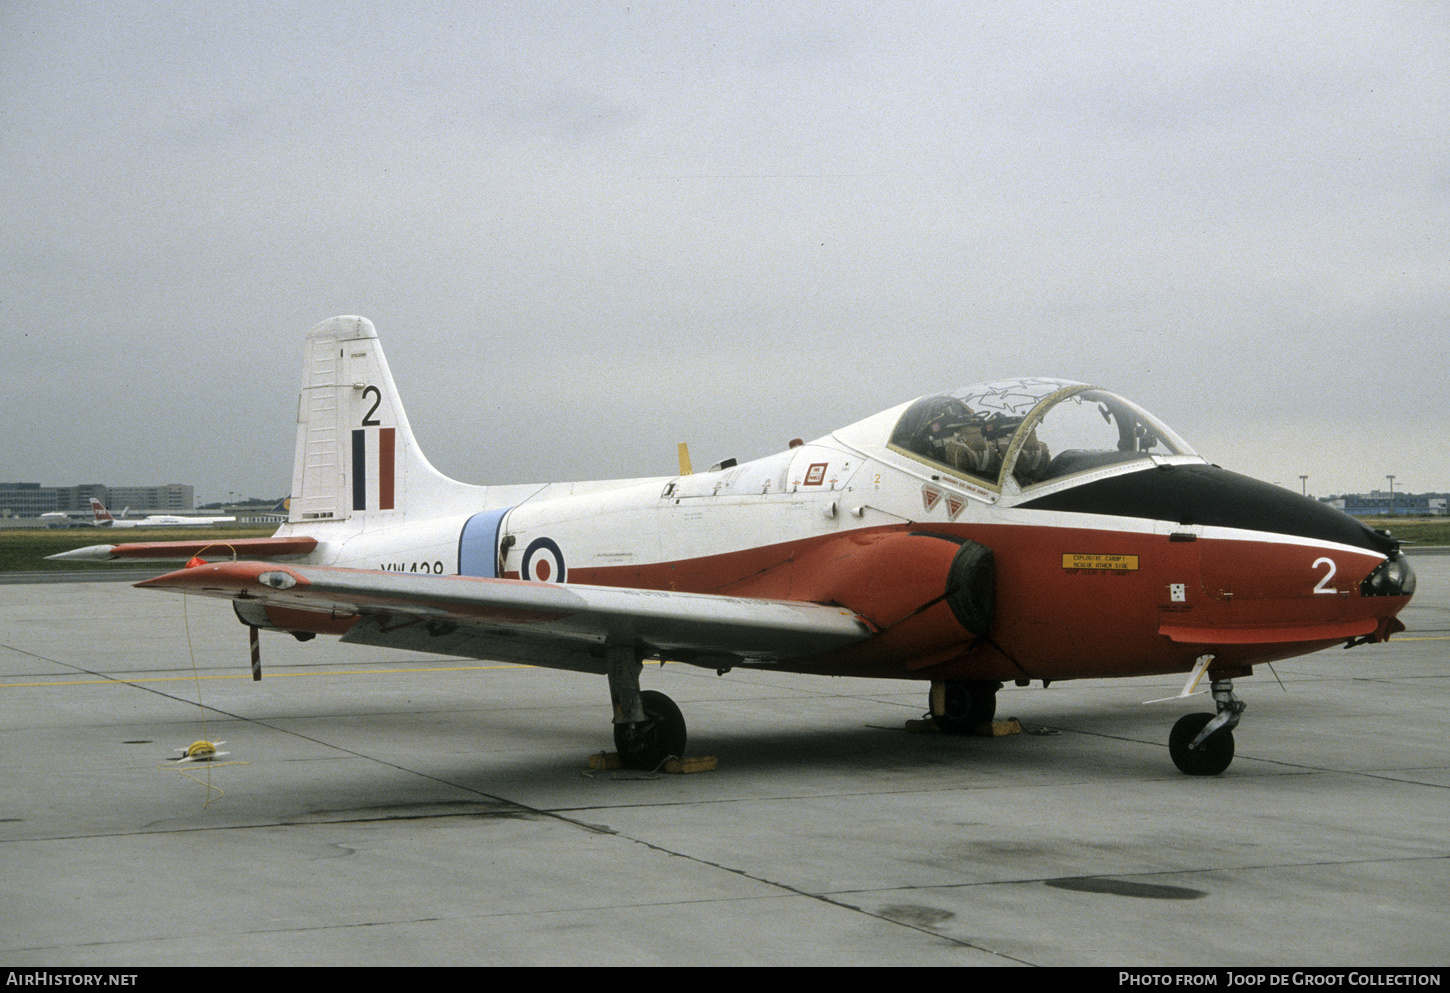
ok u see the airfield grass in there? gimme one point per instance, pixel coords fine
(25, 549)
(1414, 530)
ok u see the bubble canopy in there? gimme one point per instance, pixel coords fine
(1033, 431)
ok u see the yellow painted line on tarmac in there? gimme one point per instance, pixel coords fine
(247, 675)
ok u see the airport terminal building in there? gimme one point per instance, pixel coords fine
(1380, 503)
(32, 499)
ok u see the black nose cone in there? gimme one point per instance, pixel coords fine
(1210, 496)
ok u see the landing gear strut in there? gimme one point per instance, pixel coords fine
(648, 727)
(960, 706)
(1203, 744)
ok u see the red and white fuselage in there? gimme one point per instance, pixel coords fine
(1022, 530)
(1110, 547)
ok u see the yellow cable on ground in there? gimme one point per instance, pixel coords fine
(203, 750)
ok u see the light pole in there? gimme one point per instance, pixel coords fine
(1304, 485)
(1392, 494)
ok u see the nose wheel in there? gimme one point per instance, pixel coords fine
(1203, 744)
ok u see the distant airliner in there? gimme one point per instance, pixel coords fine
(105, 520)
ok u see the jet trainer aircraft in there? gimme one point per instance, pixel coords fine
(1024, 530)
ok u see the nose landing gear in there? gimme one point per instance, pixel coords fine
(1203, 744)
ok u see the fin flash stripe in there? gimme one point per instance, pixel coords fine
(386, 440)
(359, 470)
(387, 458)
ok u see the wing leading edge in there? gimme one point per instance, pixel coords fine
(562, 626)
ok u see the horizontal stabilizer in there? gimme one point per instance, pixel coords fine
(184, 551)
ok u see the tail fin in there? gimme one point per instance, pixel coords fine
(356, 456)
(99, 509)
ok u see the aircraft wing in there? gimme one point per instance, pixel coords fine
(547, 624)
(182, 551)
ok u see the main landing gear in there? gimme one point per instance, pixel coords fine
(1203, 744)
(960, 706)
(648, 727)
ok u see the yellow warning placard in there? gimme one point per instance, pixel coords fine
(1100, 561)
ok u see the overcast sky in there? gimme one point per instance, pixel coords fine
(586, 231)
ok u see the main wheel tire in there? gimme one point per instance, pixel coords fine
(968, 705)
(661, 735)
(1211, 757)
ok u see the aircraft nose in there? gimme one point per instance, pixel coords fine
(1209, 495)
(1392, 577)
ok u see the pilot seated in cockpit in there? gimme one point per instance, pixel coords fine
(947, 431)
(967, 448)
(979, 445)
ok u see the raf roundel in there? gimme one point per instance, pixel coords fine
(543, 562)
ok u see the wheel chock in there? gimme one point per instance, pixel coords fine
(990, 729)
(700, 763)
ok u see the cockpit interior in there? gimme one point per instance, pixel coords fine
(1034, 431)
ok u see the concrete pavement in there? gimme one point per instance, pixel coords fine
(389, 809)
